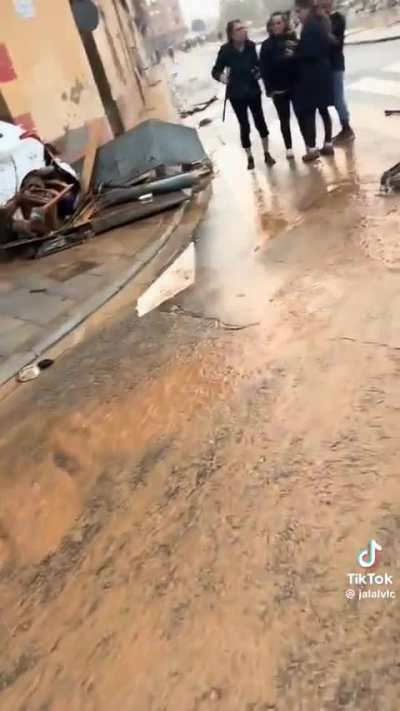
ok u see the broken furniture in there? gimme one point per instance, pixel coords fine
(156, 166)
(44, 202)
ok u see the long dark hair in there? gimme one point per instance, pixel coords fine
(230, 27)
(306, 4)
(316, 13)
(285, 18)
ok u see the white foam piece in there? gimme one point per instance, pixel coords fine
(178, 277)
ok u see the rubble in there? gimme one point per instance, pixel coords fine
(198, 108)
(46, 206)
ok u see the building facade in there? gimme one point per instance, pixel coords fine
(167, 25)
(58, 78)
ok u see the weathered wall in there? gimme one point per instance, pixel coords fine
(48, 81)
(116, 43)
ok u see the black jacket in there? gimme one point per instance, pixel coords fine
(244, 70)
(277, 69)
(314, 83)
(338, 24)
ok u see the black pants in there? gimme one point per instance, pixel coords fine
(241, 108)
(307, 123)
(282, 105)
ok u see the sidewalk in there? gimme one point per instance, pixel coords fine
(368, 28)
(43, 301)
(373, 35)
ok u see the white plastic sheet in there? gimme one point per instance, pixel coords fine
(178, 277)
(18, 157)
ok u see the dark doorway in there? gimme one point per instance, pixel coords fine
(110, 106)
(5, 113)
(103, 86)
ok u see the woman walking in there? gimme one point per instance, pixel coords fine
(239, 58)
(313, 89)
(277, 66)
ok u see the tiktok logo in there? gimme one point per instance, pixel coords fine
(367, 556)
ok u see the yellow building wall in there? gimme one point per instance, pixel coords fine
(54, 80)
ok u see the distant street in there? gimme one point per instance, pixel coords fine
(184, 495)
(375, 65)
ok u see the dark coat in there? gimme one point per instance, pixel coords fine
(314, 85)
(243, 67)
(278, 71)
(338, 23)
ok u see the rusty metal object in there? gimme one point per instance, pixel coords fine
(47, 199)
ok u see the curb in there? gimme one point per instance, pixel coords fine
(379, 40)
(59, 336)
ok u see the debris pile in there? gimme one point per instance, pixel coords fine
(198, 108)
(47, 205)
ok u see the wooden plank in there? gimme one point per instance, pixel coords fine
(94, 130)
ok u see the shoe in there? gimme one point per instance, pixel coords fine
(346, 134)
(270, 161)
(250, 163)
(311, 156)
(289, 154)
(327, 150)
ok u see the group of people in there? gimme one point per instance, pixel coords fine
(304, 72)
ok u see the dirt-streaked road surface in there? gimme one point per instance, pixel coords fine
(181, 503)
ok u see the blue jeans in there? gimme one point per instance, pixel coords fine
(340, 101)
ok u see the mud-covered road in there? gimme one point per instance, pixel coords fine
(182, 503)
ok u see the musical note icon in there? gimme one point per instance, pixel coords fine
(367, 556)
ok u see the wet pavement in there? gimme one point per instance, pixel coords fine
(184, 495)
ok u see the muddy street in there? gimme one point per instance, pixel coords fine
(184, 495)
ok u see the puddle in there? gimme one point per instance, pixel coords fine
(178, 277)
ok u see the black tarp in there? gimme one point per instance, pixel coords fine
(151, 145)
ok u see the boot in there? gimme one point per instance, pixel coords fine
(270, 161)
(311, 156)
(345, 135)
(250, 162)
(327, 150)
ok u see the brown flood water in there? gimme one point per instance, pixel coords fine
(182, 504)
